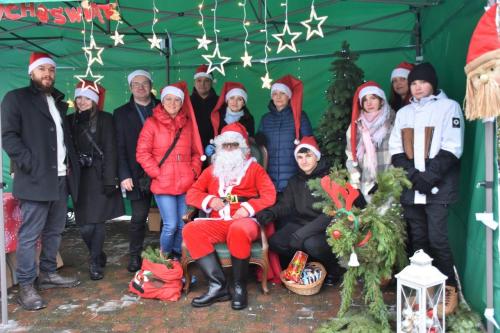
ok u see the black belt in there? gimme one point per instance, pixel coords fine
(234, 198)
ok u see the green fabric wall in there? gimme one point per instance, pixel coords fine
(447, 49)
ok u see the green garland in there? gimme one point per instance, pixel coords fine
(155, 256)
(382, 252)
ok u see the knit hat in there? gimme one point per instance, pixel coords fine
(366, 88)
(402, 70)
(425, 72)
(38, 59)
(202, 71)
(234, 132)
(137, 73)
(310, 143)
(228, 89)
(173, 89)
(482, 96)
(86, 89)
(176, 89)
(294, 89)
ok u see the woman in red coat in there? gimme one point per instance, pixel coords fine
(172, 118)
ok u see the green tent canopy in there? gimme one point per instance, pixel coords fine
(383, 32)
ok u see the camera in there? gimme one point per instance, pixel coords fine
(85, 160)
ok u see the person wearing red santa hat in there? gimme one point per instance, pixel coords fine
(231, 190)
(305, 225)
(231, 107)
(35, 135)
(282, 127)
(99, 198)
(400, 91)
(169, 150)
(367, 138)
(427, 142)
(129, 119)
(204, 98)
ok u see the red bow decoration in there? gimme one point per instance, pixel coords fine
(348, 193)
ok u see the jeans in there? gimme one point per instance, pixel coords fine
(172, 208)
(137, 231)
(45, 220)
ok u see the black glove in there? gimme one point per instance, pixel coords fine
(424, 182)
(401, 161)
(109, 190)
(360, 201)
(296, 241)
(373, 189)
(264, 217)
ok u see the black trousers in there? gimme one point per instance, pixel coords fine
(137, 230)
(315, 246)
(93, 235)
(427, 227)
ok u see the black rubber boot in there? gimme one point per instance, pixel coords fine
(240, 273)
(217, 287)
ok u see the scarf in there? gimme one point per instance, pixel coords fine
(232, 117)
(372, 129)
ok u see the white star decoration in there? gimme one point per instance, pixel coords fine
(216, 57)
(266, 81)
(308, 24)
(93, 47)
(247, 60)
(155, 42)
(117, 38)
(203, 42)
(89, 76)
(281, 37)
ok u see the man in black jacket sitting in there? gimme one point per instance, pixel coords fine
(305, 226)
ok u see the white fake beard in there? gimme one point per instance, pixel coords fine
(228, 165)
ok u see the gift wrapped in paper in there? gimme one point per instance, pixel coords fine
(296, 266)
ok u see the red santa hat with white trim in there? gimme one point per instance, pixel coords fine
(202, 71)
(482, 96)
(38, 59)
(234, 132)
(86, 89)
(294, 89)
(402, 70)
(180, 89)
(367, 88)
(310, 143)
(229, 89)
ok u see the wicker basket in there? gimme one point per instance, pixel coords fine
(306, 289)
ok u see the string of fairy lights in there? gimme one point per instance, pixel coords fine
(286, 39)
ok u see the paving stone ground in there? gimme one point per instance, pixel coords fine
(107, 306)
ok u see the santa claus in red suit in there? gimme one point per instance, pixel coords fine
(232, 190)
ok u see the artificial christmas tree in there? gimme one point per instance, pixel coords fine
(335, 121)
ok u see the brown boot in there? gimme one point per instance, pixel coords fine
(450, 301)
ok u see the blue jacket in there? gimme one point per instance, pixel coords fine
(279, 130)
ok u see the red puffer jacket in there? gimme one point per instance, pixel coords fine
(182, 166)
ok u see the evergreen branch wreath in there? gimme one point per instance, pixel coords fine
(375, 235)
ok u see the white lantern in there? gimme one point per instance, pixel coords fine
(421, 295)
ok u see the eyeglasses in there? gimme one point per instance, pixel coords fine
(230, 145)
(136, 85)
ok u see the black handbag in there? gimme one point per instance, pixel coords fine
(145, 180)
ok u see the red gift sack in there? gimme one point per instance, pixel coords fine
(12, 218)
(157, 281)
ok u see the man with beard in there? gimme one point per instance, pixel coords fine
(35, 135)
(232, 190)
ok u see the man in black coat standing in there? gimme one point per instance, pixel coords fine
(203, 99)
(129, 119)
(36, 137)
